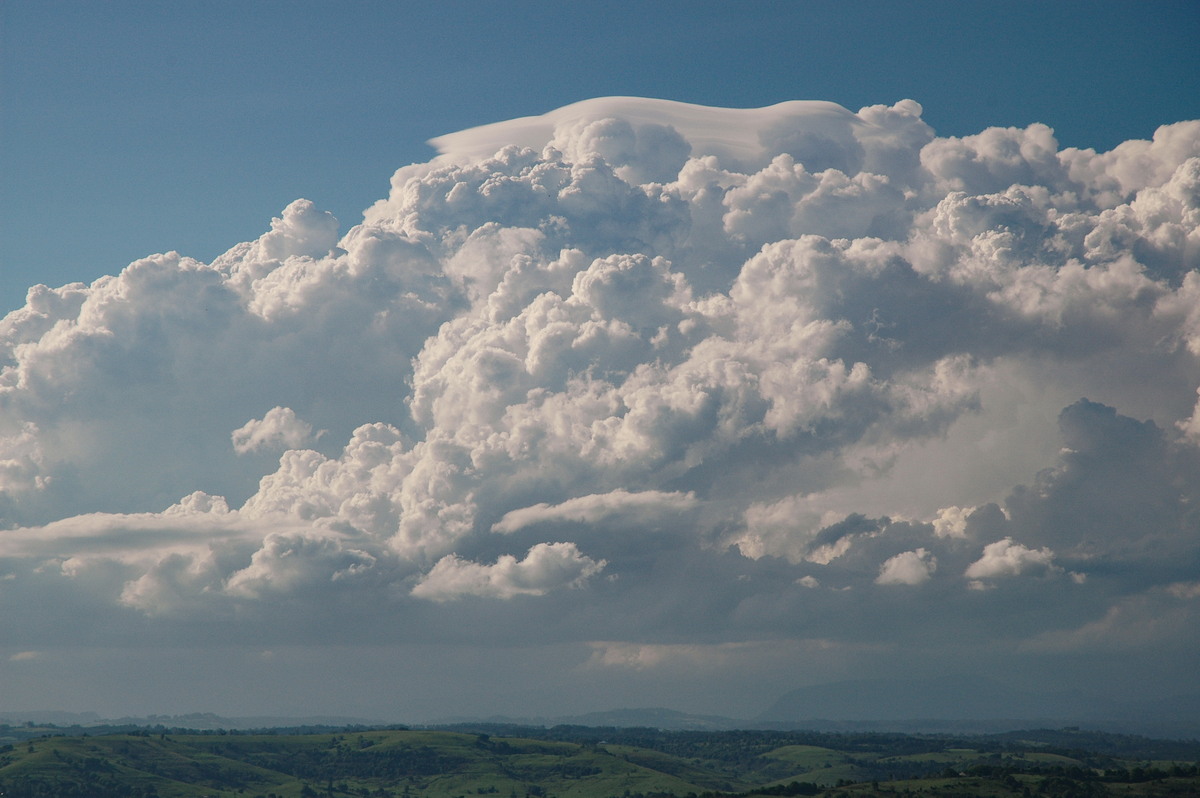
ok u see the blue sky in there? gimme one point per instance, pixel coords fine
(137, 127)
(718, 349)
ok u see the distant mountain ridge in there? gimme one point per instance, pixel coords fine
(957, 697)
(654, 718)
(953, 705)
(966, 700)
(200, 721)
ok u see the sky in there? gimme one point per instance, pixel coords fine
(409, 361)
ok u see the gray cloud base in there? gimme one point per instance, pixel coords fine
(762, 396)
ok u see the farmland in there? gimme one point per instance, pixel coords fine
(584, 762)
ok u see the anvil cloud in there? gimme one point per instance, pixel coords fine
(796, 387)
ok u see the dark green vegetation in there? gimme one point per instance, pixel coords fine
(585, 762)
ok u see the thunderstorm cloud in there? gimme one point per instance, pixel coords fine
(646, 378)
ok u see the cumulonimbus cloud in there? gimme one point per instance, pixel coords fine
(782, 360)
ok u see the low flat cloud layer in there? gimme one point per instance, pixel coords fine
(793, 391)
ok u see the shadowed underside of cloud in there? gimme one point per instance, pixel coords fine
(642, 371)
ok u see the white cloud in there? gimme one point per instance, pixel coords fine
(1131, 623)
(286, 563)
(21, 461)
(1184, 590)
(648, 656)
(951, 522)
(278, 429)
(995, 159)
(175, 584)
(907, 568)
(676, 663)
(735, 135)
(1191, 425)
(802, 529)
(1008, 558)
(641, 507)
(1133, 165)
(127, 536)
(546, 567)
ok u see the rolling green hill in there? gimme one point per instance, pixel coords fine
(580, 762)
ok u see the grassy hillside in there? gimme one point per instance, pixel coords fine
(414, 764)
(586, 763)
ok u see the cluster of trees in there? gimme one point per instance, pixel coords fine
(110, 787)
